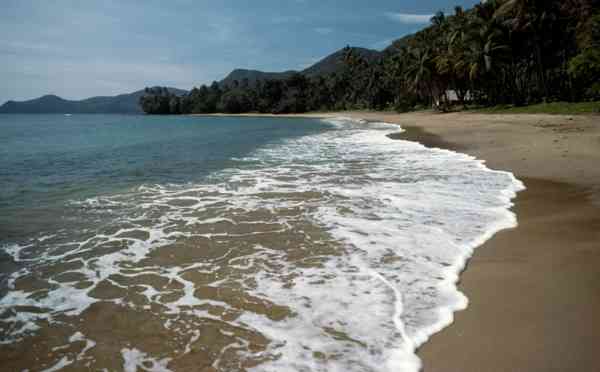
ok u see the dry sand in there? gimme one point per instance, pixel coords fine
(534, 290)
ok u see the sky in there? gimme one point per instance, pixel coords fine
(78, 49)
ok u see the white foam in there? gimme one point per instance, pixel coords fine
(89, 344)
(427, 209)
(135, 359)
(14, 250)
(62, 363)
(407, 219)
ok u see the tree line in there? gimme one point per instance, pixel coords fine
(499, 52)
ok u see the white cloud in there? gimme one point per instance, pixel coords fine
(409, 18)
(324, 30)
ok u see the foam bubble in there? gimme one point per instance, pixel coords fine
(135, 359)
(62, 363)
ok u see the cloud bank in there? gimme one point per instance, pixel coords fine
(407, 18)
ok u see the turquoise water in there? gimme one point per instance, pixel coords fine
(47, 160)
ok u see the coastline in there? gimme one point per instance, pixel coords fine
(560, 148)
(534, 291)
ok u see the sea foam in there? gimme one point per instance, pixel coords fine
(398, 223)
(410, 217)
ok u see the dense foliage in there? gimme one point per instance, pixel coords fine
(500, 52)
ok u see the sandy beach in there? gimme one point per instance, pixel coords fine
(172, 277)
(534, 291)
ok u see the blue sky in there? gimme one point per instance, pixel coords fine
(78, 49)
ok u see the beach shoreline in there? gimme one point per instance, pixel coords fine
(560, 148)
(534, 291)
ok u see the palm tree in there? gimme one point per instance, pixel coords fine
(531, 17)
(419, 72)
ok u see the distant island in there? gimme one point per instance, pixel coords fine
(51, 104)
(498, 53)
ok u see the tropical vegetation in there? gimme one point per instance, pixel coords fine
(500, 52)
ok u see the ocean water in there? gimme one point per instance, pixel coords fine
(141, 243)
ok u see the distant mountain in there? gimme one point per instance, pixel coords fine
(51, 104)
(253, 76)
(399, 44)
(332, 63)
(129, 103)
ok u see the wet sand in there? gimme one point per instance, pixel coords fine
(534, 291)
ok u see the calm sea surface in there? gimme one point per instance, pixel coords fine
(47, 160)
(231, 244)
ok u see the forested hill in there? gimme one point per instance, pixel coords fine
(252, 76)
(51, 104)
(500, 52)
(130, 103)
(334, 62)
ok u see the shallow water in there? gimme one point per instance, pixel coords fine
(236, 244)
